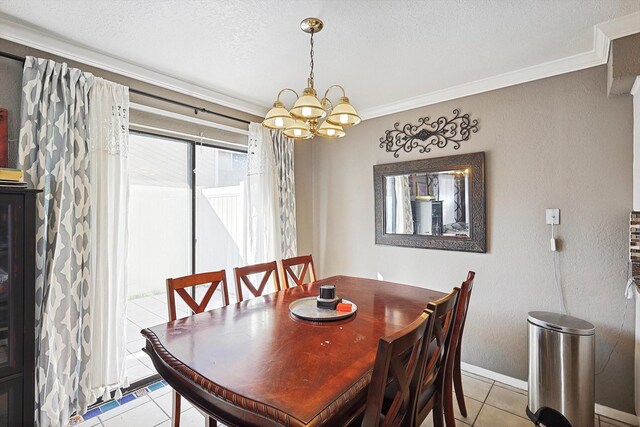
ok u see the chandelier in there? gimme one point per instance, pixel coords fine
(305, 119)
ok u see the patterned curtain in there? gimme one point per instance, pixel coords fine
(433, 186)
(459, 197)
(53, 152)
(284, 162)
(73, 146)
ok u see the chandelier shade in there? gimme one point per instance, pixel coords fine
(307, 107)
(329, 130)
(344, 114)
(304, 120)
(299, 130)
(278, 117)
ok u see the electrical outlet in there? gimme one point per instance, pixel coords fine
(553, 216)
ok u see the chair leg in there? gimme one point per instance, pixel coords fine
(210, 422)
(437, 412)
(447, 403)
(175, 410)
(457, 383)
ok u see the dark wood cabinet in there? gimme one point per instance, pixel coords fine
(17, 306)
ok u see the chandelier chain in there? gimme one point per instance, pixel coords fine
(311, 63)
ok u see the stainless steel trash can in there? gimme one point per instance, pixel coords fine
(562, 366)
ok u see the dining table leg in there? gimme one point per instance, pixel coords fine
(175, 410)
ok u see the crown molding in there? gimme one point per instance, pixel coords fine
(37, 38)
(536, 72)
(40, 39)
(635, 89)
(602, 35)
(621, 27)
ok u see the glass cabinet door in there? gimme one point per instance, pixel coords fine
(11, 285)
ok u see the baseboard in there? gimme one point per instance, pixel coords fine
(513, 382)
(614, 414)
(605, 411)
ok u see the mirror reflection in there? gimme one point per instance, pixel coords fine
(432, 204)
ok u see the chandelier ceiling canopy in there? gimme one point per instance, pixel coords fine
(305, 119)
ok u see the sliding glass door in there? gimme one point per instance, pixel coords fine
(160, 236)
(186, 215)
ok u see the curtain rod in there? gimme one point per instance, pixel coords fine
(150, 95)
(183, 104)
(183, 118)
(12, 56)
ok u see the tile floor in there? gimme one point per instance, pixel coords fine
(489, 404)
(493, 404)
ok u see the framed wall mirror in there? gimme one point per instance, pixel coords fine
(434, 203)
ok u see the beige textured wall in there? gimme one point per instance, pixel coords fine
(558, 142)
(304, 196)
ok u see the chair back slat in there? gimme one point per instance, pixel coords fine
(436, 346)
(267, 269)
(465, 298)
(444, 311)
(180, 284)
(288, 272)
(396, 366)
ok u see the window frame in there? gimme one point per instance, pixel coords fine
(193, 144)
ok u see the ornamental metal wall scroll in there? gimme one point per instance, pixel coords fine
(426, 134)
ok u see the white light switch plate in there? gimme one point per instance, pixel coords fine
(553, 216)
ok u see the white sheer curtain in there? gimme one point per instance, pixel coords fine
(404, 214)
(271, 206)
(447, 195)
(263, 212)
(108, 167)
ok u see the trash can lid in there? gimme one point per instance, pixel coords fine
(561, 323)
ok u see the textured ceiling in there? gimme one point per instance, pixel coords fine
(380, 51)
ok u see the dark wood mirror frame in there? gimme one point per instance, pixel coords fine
(474, 162)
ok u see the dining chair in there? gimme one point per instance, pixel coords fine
(390, 399)
(179, 286)
(304, 264)
(430, 382)
(267, 270)
(453, 375)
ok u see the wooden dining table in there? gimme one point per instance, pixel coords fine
(254, 364)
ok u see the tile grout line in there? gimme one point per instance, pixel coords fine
(488, 392)
(500, 409)
(483, 403)
(160, 407)
(508, 412)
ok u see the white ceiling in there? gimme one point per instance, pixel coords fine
(382, 52)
